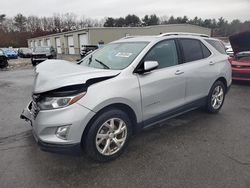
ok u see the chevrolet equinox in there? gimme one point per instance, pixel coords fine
(130, 84)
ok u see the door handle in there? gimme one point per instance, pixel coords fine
(211, 63)
(178, 72)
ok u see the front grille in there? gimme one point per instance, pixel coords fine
(241, 75)
(40, 56)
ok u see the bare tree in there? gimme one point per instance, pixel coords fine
(8, 25)
(33, 24)
(69, 21)
(57, 26)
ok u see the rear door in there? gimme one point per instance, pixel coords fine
(200, 69)
(162, 89)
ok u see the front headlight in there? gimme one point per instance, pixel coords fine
(49, 103)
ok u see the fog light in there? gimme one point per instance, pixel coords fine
(62, 132)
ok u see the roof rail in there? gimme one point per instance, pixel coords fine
(128, 37)
(183, 33)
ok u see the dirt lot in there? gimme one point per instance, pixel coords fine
(193, 150)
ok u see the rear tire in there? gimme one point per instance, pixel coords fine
(108, 136)
(216, 97)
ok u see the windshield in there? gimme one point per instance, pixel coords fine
(42, 49)
(114, 56)
(1, 52)
(26, 50)
(7, 50)
(243, 55)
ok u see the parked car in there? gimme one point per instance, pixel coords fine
(241, 60)
(87, 49)
(24, 52)
(127, 85)
(11, 54)
(3, 60)
(41, 54)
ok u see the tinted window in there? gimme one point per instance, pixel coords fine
(206, 52)
(192, 50)
(217, 45)
(164, 53)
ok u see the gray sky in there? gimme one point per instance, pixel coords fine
(229, 9)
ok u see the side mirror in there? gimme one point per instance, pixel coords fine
(147, 67)
(150, 65)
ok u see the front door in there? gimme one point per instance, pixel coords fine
(162, 89)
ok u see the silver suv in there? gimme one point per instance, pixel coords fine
(128, 85)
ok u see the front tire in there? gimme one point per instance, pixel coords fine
(216, 97)
(108, 135)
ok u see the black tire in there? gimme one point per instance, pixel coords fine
(210, 108)
(33, 63)
(89, 142)
(4, 64)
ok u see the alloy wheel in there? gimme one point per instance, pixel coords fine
(111, 136)
(217, 97)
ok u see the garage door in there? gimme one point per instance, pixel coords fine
(83, 40)
(58, 46)
(32, 44)
(48, 42)
(71, 45)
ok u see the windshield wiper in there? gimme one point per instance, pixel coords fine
(107, 67)
(90, 59)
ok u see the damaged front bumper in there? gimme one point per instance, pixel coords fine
(28, 114)
(46, 122)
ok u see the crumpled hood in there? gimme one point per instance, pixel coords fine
(240, 42)
(54, 74)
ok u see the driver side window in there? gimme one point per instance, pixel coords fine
(165, 53)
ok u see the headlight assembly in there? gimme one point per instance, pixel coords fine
(49, 103)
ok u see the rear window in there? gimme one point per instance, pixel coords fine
(206, 52)
(217, 45)
(192, 50)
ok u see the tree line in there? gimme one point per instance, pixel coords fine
(221, 27)
(14, 31)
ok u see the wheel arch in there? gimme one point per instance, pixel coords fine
(224, 81)
(121, 106)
